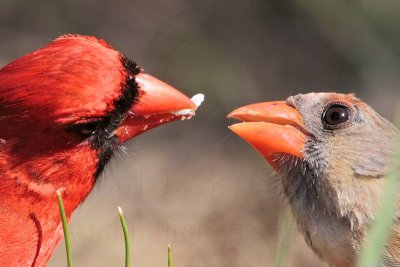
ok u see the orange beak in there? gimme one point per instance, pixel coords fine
(157, 103)
(271, 128)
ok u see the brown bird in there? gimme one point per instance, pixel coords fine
(332, 153)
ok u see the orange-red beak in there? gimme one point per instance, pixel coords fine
(157, 103)
(271, 128)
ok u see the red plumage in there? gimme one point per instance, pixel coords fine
(60, 111)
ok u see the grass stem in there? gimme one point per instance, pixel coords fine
(65, 228)
(126, 238)
(169, 256)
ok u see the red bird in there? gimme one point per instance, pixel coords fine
(64, 110)
(332, 152)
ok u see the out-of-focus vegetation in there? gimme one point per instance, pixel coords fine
(124, 227)
(193, 184)
(380, 230)
(285, 238)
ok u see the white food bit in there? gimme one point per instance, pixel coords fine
(183, 112)
(198, 99)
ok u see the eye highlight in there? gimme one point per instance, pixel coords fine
(336, 115)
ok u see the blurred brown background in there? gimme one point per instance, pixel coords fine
(194, 184)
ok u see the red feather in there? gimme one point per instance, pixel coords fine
(74, 77)
(43, 95)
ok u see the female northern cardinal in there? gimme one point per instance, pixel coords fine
(64, 110)
(332, 152)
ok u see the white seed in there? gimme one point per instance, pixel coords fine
(198, 99)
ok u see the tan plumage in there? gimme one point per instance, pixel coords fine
(332, 152)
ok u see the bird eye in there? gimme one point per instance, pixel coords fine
(85, 129)
(336, 114)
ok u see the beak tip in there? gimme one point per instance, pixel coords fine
(235, 114)
(236, 128)
(231, 115)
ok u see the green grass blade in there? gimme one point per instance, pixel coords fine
(371, 253)
(169, 256)
(126, 238)
(65, 228)
(285, 238)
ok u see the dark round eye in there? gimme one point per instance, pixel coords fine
(85, 129)
(336, 114)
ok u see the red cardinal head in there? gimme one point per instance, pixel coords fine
(64, 110)
(331, 151)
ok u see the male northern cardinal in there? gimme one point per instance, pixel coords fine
(331, 152)
(64, 110)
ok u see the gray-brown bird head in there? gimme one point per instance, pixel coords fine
(331, 151)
